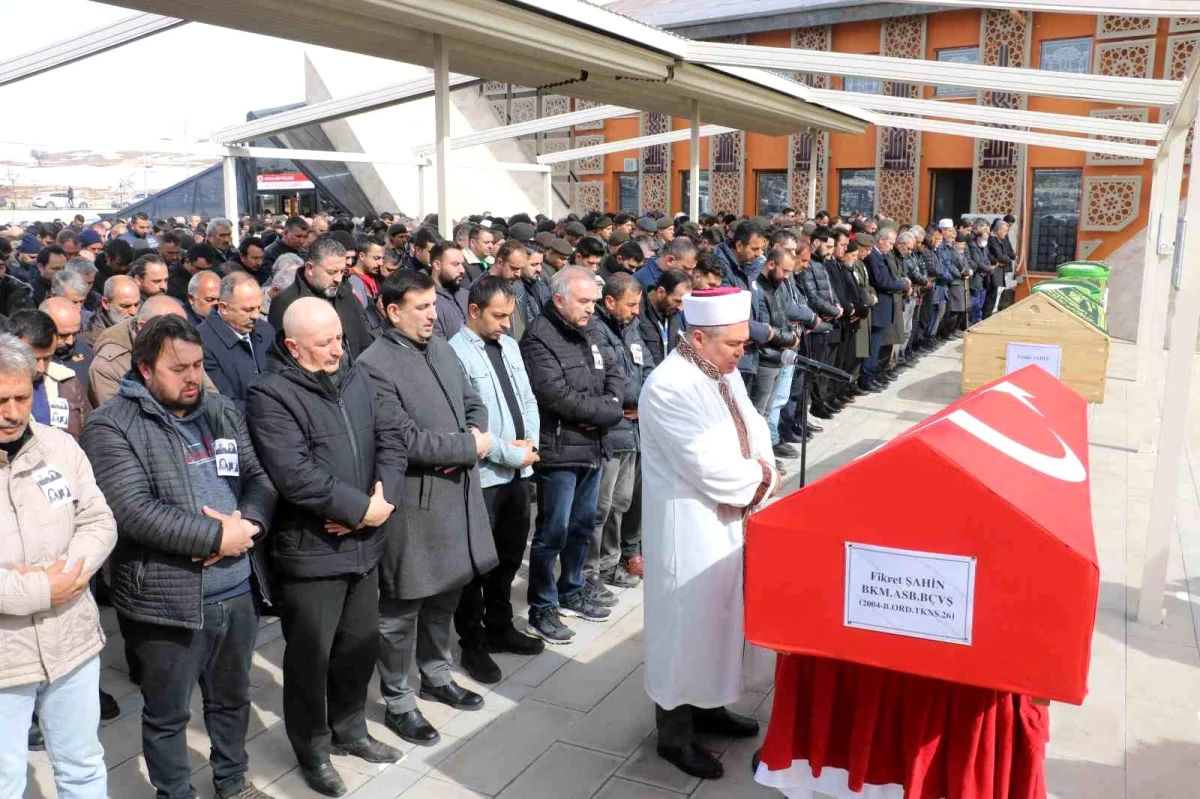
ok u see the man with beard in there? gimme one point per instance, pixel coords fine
(151, 274)
(421, 244)
(365, 274)
(533, 290)
(118, 256)
(180, 473)
(120, 301)
(445, 541)
(198, 258)
(50, 261)
(323, 276)
(70, 350)
(219, 236)
(511, 260)
(660, 319)
(448, 269)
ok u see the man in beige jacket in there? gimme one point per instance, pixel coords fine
(57, 530)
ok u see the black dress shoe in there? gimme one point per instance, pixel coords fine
(369, 749)
(324, 779)
(452, 694)
(782, 450)
(720, 721)
(412, 727)
(109, 709)
(480, 666)
(692, 759)
(821, 412)
(509, 640)
(858, 391)
(813, 428)
(37, 743)
(794, 437)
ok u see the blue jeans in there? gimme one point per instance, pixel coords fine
(566, 518)
(871, 365)
(975, 313)
(779, 398)
(69, 714)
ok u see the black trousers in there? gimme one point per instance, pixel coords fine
(172, 660)
(331, 626)
(816, 347)
(677, 726)
(486, 602)
(993, 283)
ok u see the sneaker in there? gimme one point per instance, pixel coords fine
(583, 608)
(549, 627)
(621, 578)
(595, 592)
(634, 565)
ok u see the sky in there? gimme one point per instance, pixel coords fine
(190, 81)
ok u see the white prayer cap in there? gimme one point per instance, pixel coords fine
(946, 223)
(725, 305)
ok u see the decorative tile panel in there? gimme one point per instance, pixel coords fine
(654, 184)
(1180, 50)
(995, 191)
(1179, 24)
(817, 38)
(583, 105)
(589, 196)
(592, 164)
(725, 177)
(555, 104)
(557, 145)
(1110, 203)
(1115, 26)
(801, 145)
(1129, 59)
(1128, 115)
(897, 149)
(655, 189)
(524, 109)
(894, 194)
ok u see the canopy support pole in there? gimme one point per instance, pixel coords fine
(694, 166)
(813, 133)
(229, 177)
(421, 192)
(441, 111)
(548, 192)
(1173, 430)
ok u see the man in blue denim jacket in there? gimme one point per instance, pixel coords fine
(492, 362)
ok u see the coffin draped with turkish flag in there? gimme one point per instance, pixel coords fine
(923, 593)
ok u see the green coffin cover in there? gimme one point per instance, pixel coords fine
(1077, 299)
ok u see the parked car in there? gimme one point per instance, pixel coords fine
(58, 199)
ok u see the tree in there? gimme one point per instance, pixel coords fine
(38, 155)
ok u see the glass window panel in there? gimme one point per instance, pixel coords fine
(627, 192)
(772, 193)
(684, 197)
(852, 83)
(1057, 194)
(957, 55)
(856, 191)
(1067, 55)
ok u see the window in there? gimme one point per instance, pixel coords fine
(772, 192)
(856, 191)
(956, 55)
(627, 192)
(685, 196)
(1055, 217)
(1066, 55)
(863, 85)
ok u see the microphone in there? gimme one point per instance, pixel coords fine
(816, 367)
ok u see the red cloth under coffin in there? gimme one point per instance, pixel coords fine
(938, 739)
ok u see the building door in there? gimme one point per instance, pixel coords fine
(951, 195)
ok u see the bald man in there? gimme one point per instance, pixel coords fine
(120, 301)
(338, 458)
(70, 350)
(203, 292)
(113, 356)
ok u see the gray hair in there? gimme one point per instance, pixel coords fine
(289, 260)
(561, 282)
(16, 357)
(885, 233)
(284, 277)
(216, 223)
(194, 284)
(65, 280)
(232, 281)
(325, 247)
(81, 265)
(906, 238)
(110, 285)
(918, 232)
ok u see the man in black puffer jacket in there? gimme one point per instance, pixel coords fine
(579, 397)
(338, 457)
(180, 473)
(618, 535)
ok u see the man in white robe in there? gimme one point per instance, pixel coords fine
(706, 463)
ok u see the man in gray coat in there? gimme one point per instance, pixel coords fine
(446, 540)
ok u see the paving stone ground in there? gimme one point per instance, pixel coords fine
(574, 722)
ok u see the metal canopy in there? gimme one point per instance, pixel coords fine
(1149, 8)
(541, 125)
(85, 45)
(567, 46)
(1101, 88)
(1079, 143)
(339, 108)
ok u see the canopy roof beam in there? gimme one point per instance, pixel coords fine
(532, 126)
(1100, 88)
(85, 45)
(1078, 143)
(630, 144)
(1151, 8)
(1067, 123)
(339, 108)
